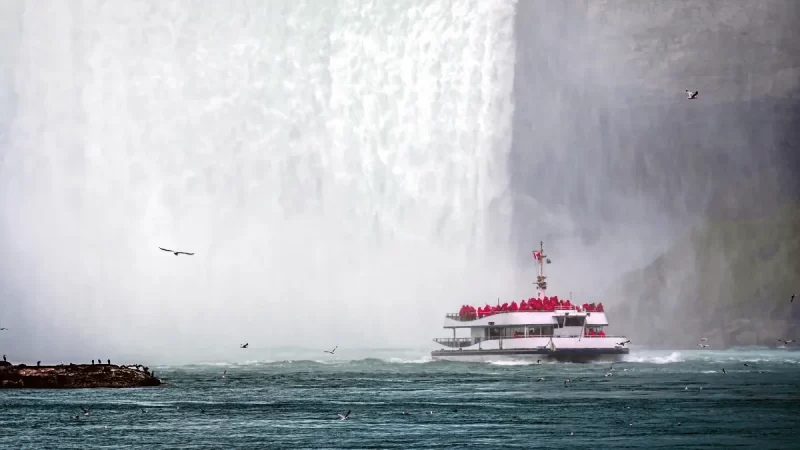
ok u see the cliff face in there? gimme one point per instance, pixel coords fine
(607, 147)
(603, 133)
(730, 281)
(74, 376)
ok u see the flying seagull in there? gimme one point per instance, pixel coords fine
(3, 329)
(786, 342)
(723, 371)
(702, 345)
(224, 372)
(175, 252)
(331, 351)
(244, 345)
(691, 95)
(344, 417)
(704, 339)
(86, 410)
(792, 299)
(625, 342)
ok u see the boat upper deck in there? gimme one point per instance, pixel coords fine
(532, 318)
(534, 311)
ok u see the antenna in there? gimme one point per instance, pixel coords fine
(541, 279)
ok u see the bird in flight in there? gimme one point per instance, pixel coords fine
(723, 371)
(244, 345)
(86, 410)
(331, 351)
(344, 417)
(702, 345)
(625, 342)
(3, 329)
(224, 372)
(792, 299)
(786, 342)
(176, 252)
(691, 95)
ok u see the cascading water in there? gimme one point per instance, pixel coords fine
(338, 169)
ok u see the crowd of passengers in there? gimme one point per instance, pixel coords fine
(532, 304)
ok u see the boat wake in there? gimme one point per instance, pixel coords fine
(645, 357)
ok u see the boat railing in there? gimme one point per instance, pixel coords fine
(467, 341)
(454, 342)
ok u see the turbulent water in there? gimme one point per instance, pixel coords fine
(676, 399)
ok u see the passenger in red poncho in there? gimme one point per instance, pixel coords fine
(600, 307)
(513, 307)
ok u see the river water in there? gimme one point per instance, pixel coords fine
(665, 399)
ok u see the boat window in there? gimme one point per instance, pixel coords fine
(514, 332)
(574, 321)
(541, 331)
(495, 332)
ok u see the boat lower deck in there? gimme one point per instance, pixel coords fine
(534, 354)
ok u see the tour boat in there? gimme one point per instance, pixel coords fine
(538, 329)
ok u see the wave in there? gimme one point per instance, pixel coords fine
(749, 355)
(673, 357)
(511, 363)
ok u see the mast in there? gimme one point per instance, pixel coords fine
(541, 279)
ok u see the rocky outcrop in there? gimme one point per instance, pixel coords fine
(729, 281)
(74, 377)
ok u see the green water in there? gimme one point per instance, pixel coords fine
(676, 399)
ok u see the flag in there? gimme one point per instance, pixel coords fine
(537, 255)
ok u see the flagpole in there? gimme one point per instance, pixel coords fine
(540, 279)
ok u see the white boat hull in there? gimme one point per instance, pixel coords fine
(533, 349)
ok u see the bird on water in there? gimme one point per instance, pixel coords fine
(176, 252)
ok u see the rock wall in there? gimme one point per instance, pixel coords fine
(74, 376)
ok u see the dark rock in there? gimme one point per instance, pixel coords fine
(73, 376)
